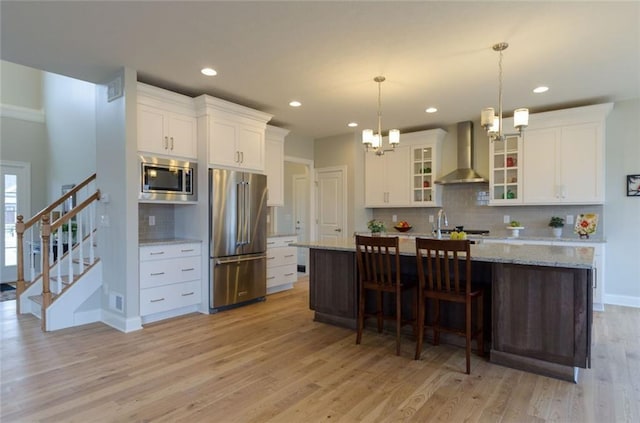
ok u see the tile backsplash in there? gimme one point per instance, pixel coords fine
(466, 204)
(164, 215)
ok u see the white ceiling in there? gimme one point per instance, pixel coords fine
(325, 54)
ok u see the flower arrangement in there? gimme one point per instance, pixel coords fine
(586, 224)
(556, 222)
(376, 226)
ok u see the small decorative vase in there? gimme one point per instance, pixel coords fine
(557, 232)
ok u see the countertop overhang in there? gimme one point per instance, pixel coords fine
(576, 257)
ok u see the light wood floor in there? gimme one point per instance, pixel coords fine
(269, 362)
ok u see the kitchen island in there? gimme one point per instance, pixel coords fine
(539, 310)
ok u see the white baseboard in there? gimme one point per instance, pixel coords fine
(622, 300)
(121, 323)
(169, 314)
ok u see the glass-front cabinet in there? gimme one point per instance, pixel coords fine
(423, 174)
(506, 171)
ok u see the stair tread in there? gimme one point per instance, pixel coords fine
(38, 298)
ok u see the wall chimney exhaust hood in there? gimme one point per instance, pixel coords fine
(464, 174)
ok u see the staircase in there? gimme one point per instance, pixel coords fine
(62, 287)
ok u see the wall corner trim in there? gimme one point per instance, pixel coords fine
(22, 113)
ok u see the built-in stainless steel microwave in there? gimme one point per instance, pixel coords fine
(164, 179)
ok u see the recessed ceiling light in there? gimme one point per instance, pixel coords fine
(541, 89)
(209, 72)
(431, 110)
(352, 124)
(295, 103)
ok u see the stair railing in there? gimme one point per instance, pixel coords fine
(31, 232)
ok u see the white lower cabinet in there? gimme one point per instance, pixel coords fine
(282, 263)
(598, 275)
(170, 280)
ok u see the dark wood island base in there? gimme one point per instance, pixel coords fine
(539, 316)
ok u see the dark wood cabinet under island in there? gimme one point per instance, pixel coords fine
(539, 310)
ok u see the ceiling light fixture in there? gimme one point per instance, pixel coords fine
(431, 110)
(492, 123)
(541, 89)
(295, 103)
(374, 141)
(352, 124)
(209, 72)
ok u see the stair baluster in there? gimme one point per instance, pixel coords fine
(46, 292)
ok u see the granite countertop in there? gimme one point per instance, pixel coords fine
(145, 242)
(593, 239)
(537, 255)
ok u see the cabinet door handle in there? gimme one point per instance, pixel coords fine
(242, 157)
(157, 300)
(271, 277)
(289, 255)
(237, 159)
(337, 230)
(270, 258)
(166, 143)
(156, 253)
(157, 274)
(187, 251)
(171, 143)
(188, 270)
(289, 274)
(186, 294)
(271, 243)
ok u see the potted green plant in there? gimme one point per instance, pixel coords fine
(376, 226)
(556, 223)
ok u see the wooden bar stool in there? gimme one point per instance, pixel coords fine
(379, 271)
(439, 278)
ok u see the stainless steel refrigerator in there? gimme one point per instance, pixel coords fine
(238, 238)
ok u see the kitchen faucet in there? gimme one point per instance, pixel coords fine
(437, 230)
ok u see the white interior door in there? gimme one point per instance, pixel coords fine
(331, 192)
(14, 200)
(301, 214)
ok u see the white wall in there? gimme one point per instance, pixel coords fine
(23, 136)
(298, 146)
(117, 176)
(622, 228)
(70, 109)
(21, 85)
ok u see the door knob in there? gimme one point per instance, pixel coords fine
(338, 230)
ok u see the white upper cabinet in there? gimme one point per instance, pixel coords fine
(563, 155)
(235, 135)
(274, 165)
(406, 176)
(505, 168)
(387, 178)
(166, 123)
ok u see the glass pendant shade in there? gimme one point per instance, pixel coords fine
(487, 116)
(394, 136)
(367, 136)
(376, 142)
(521, 118)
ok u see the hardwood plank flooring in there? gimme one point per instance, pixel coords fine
(269, 362)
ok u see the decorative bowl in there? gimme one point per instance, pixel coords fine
(402, 228)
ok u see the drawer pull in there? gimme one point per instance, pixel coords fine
(270, 243)
(271, 277)
(187, 294)
(290, 241)
(188, 270)
(289, 274)
(155, 254)
(289, 255)
(270, 258)
(157, 300)
(187, 251)
(157, 274)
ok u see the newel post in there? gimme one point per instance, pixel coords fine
(45, 234)
(20, 284)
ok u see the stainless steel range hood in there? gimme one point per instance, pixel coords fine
(464, 174)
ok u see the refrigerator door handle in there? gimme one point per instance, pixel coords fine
(239, 214)
(238, 260)
(247, 213)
